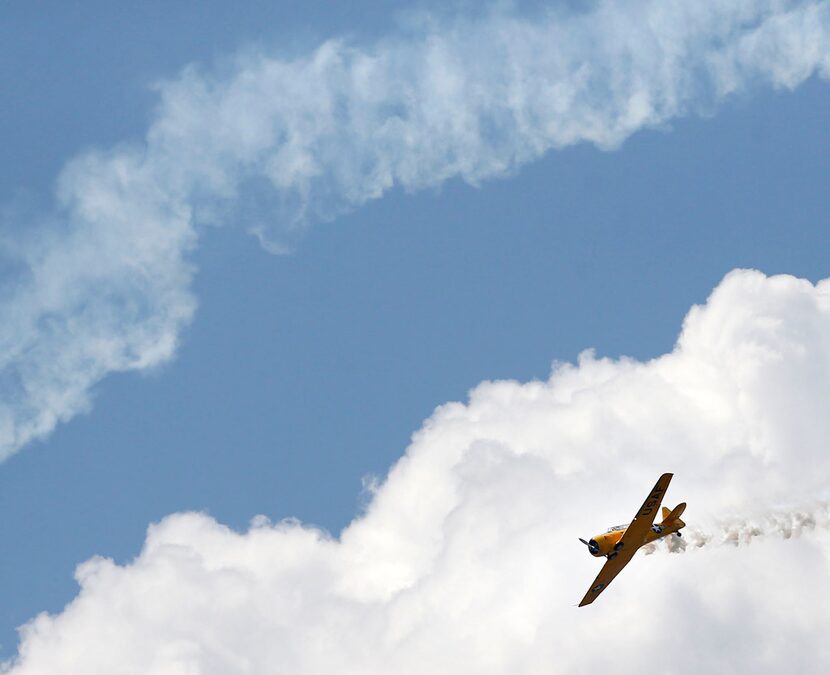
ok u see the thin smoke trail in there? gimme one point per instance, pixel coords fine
(742, 531)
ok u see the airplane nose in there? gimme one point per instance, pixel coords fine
(593, 546)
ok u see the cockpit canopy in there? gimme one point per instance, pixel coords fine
(616, 528)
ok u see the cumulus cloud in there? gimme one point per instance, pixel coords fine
(104, 282)
(467, 560)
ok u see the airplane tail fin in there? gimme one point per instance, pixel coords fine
(674, 514)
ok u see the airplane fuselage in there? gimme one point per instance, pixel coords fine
(603, 545)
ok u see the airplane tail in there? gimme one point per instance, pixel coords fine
(674, 514)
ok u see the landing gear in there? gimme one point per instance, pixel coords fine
(618, 546)
(678, 534)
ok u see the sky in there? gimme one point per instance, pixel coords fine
(327, 331)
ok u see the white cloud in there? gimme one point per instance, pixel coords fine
(107, 285)
(466, 560)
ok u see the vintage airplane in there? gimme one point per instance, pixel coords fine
(620, 543)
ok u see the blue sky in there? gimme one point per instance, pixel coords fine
(303, 373)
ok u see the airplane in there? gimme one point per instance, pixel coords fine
(620, 543)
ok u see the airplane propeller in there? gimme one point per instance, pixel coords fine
(593, 547)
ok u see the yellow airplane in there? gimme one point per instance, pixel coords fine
(620, 543)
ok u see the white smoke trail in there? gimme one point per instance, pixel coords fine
(742, 531)
(106, 285)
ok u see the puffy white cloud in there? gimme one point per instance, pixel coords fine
(106, 284)
(466, 560)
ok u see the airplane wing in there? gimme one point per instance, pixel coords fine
(609, 570)
(631, 540)
(635, 533)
